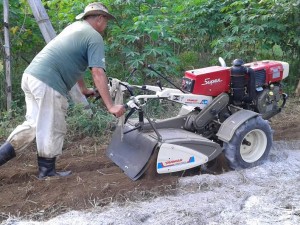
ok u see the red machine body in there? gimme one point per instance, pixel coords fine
(211, 81)
(271, 71)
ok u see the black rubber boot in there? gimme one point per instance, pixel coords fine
(47, 168)
(7, 152)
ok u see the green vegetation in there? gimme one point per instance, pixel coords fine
(10, 119)
(172, 35)
(94, 122)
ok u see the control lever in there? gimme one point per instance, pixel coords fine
(165, 78)
(159, 84)
(131, 74)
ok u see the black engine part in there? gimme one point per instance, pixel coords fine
(242, 83)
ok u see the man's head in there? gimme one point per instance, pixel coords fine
(93, 9)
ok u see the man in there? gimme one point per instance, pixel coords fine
(47, 81)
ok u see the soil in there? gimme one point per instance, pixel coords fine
(95, 181)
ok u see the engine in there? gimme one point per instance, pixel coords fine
(254, 86)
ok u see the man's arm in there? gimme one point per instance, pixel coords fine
(101, 82)
(84, 90)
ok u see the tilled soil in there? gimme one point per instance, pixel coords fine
(95, 180)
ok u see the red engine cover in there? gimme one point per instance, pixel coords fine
(210, 81)
(273, 70)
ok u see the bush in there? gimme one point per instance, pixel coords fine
(94, 122)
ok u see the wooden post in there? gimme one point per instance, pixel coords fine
(42, 19)
(7, 55)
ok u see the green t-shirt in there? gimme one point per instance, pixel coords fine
(65, 58)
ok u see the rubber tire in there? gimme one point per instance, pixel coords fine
(257, 129)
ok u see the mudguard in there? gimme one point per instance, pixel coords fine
(178, 150)
(132, 151)
(232, 123)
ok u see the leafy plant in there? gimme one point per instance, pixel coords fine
(142, 36)
(10, 119)
(166, 34)
(81, 122)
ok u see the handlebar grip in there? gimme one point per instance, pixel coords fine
(126, 106)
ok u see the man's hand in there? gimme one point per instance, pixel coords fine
(117, 110)
(88, 92)
(101, 81)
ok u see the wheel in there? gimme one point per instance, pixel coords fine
(250, 144)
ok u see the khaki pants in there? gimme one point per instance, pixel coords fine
(45, 119)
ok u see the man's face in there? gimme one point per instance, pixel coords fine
(101, 23)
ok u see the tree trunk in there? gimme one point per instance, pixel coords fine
(8, 89)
